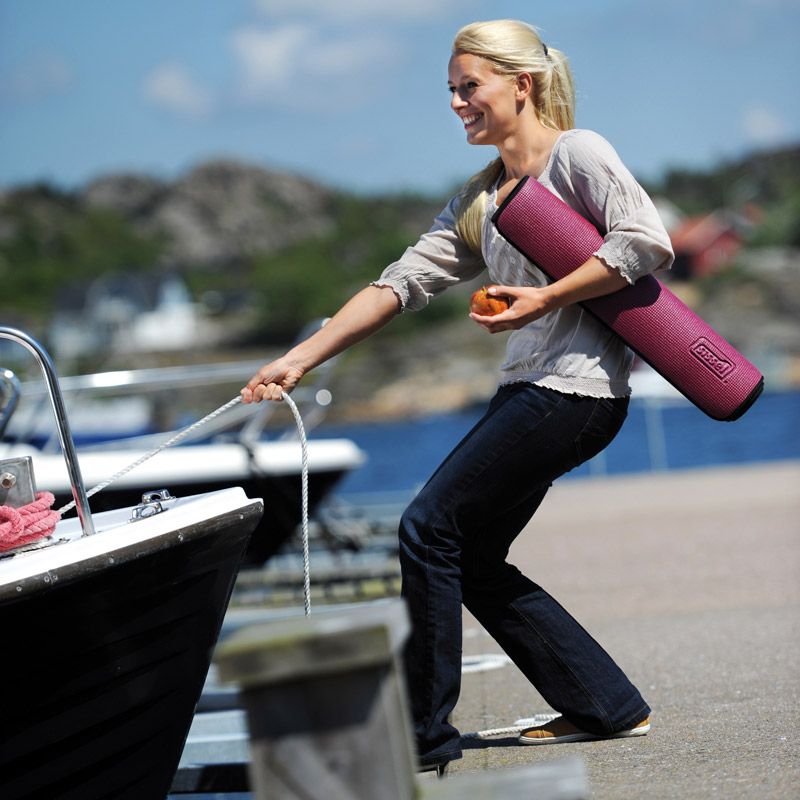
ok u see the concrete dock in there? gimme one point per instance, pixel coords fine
(691, 580)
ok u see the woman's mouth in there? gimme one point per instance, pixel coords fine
(470, 120)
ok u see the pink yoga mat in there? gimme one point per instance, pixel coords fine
(647, 316)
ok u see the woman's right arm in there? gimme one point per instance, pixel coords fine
(362, 315)
(438, 260)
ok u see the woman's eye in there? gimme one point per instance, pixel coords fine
(466, 88)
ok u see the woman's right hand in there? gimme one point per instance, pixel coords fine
(272, 380)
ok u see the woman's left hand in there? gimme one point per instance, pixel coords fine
(527, 304)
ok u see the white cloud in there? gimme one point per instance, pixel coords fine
(295, 62)
(41, 75)
(778, 5)
(362, 9)
(269, 59)
(170, 87)
(350, 57)
(763, 126)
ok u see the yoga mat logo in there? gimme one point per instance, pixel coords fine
(704, 352)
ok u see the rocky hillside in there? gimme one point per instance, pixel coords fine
(219, 212)
(285, 246)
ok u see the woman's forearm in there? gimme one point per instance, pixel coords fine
(364, 314)
(592, 279)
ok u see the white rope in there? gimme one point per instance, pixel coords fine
(213, 415)
(519, 726)
(483, 663)
(174, 440)
(304, 491)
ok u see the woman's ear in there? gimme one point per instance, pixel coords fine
(524, 86)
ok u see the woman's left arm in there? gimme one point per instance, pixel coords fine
(592, 279)
(602, 189)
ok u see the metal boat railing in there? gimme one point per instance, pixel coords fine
(62, 424)
(10, 390)
(245, 423)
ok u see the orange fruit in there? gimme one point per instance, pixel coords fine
(487, 305)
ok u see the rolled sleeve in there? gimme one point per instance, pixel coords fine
(438, 260)
(635, 241)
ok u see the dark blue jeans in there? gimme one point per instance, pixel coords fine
(454, 540)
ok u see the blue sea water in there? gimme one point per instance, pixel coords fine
(658, 435)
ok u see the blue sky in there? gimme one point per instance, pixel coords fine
(353, 92)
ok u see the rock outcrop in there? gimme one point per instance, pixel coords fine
(219, 211)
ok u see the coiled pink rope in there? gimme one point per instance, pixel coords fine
(26, 524)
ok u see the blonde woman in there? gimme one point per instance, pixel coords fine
(563, 392)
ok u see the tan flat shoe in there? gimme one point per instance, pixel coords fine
(560, 730)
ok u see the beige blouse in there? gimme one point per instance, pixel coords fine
(567, 350)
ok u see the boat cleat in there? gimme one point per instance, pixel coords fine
(153, 502)
(17, 484)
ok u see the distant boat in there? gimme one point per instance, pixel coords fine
(233, 450)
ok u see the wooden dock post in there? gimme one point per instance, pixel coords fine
(326, 704)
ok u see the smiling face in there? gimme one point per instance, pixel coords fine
(487, 103)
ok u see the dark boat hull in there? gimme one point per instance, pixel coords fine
(104, 663)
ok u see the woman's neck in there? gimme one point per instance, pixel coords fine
(528, 152)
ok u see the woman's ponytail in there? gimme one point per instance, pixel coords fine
(472, 204)
(555, 103)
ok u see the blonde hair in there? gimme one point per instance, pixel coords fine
(512, 47)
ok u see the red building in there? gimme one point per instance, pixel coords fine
(703, 245)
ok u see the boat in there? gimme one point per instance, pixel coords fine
(115, 423)
(109, 623)
(111, 636)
